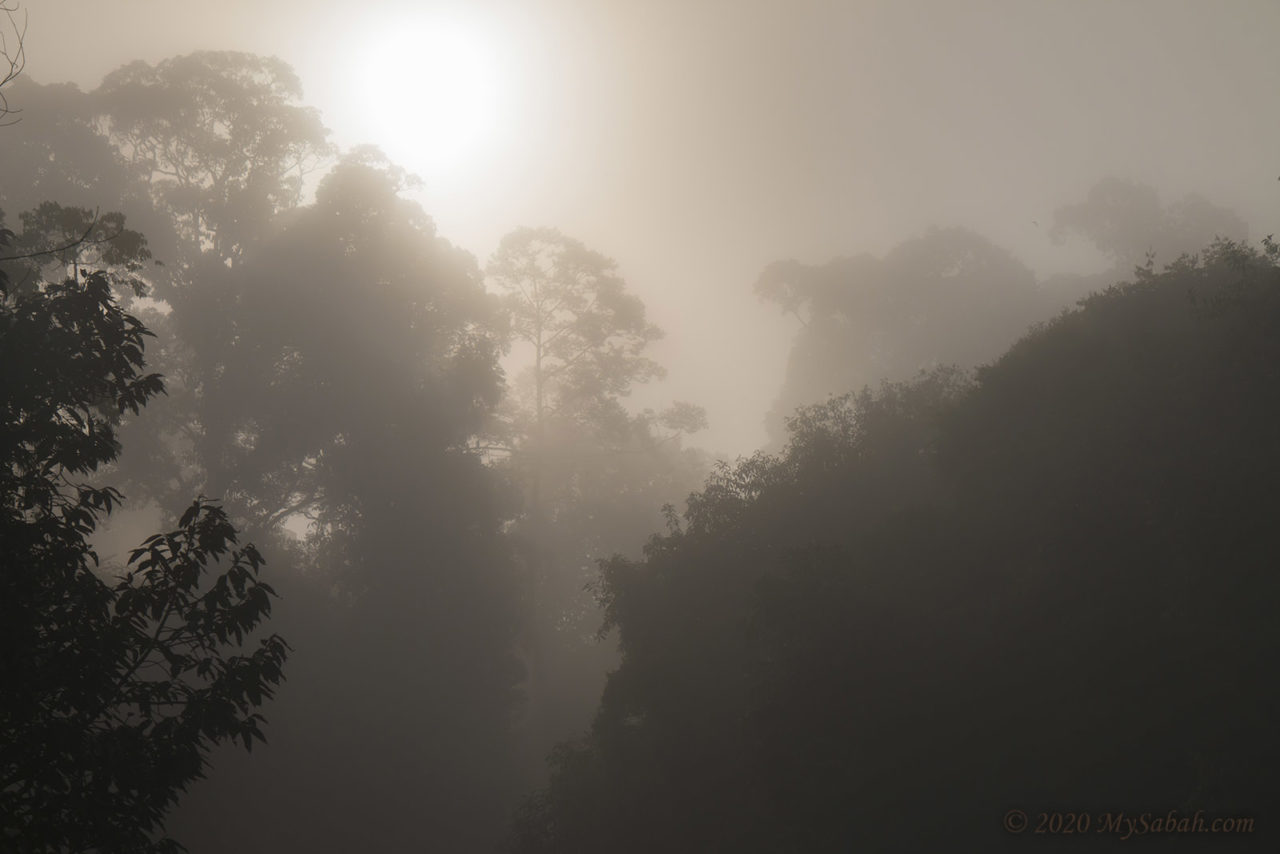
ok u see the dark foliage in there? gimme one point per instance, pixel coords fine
(114, 689)
(1044, 588)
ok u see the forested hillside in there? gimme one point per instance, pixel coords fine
(332, 521)
(1043, 587)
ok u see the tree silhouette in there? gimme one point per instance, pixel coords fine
(947, 297)
(362, 357)
(594, 474)
(1128, 223)
(221, 137)
(587, 335)
(1045, 584)
(114, 689)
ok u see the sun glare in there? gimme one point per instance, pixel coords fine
(431, 95)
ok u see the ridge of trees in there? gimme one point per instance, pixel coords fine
(1038, 585)
(951, 296)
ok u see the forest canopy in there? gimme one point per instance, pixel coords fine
(1006, 549)
(960, 594)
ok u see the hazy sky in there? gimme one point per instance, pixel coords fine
(695, 142)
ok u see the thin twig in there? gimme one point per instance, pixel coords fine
(17, 60)
(83, 240)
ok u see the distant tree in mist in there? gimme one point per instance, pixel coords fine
(1127, 221)
(113, 688)
(1047, 584)
(218, 145)
(593, 474)
(201, 152)
(356, 330)
(56, 153)
(364, 356)
(948, 297)
(571, 307)
(221, 137)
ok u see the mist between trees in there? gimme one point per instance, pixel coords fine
(1011, 545)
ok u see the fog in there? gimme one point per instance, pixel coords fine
(696, 143)
(648, 412)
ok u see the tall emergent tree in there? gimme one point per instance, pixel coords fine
(112, 689)
(222, 143)
(594, 475)
(587, 334)
(364, 358)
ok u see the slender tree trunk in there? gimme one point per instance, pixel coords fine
(535, 713)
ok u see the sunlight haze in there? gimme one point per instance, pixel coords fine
(638, 426)
(697, 142)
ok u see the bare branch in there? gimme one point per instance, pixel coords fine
(13, 57)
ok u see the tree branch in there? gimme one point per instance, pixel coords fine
(16, 59)
(82, 240)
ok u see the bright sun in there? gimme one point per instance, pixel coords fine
(431, 94)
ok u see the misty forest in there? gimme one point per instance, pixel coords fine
(610, 428)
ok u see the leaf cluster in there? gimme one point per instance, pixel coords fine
(114, 690)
